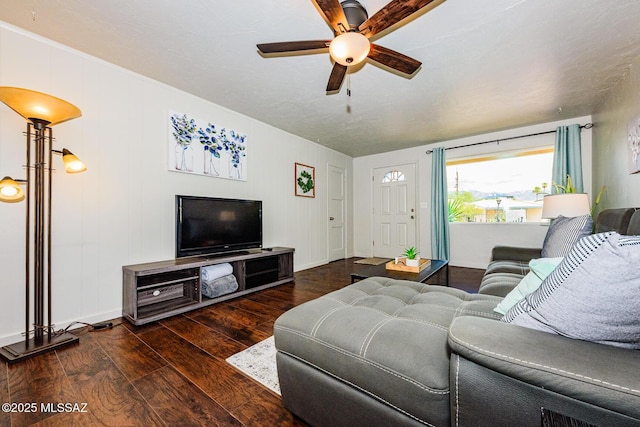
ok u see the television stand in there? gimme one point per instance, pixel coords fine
(156, 290)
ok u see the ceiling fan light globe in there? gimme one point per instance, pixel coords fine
(349, 48)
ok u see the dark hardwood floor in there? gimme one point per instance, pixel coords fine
(171, 372)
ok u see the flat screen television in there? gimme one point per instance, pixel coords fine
(208, 225)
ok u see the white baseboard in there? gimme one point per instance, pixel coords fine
(311, 265)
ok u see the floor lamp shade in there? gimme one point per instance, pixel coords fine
(38, 106)
(566, 204)
(72, 164)
(41, 111)
(10, 190)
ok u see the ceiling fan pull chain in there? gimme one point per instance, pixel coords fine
(348, 93)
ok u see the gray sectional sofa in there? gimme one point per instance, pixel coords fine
(383, 352)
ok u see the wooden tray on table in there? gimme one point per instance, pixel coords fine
(401, 266)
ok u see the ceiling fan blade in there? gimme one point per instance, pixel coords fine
(293, 46)
(333, 14)
(394, 12)
(336, 78)
(393, 59)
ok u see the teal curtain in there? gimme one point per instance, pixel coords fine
(567, 158)
(439, 206)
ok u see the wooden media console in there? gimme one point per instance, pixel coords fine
(157, 290)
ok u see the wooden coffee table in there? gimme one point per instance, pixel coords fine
(362, 271)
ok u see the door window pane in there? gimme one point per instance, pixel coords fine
(393, 176)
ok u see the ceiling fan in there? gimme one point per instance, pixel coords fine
(352, 29)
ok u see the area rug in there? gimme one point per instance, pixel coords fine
(371, 261)
(259, 363)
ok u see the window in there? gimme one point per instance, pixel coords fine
(393, 176)
(504, 187)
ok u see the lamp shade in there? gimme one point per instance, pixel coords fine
(349, 48)
(567, 204)
(72, 164)
(38, 106)
(10, 190)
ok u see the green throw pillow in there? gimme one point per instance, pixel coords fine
(540, 268)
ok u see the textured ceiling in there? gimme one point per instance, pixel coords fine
(487, 65)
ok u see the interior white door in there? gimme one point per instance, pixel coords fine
(394, 210)
(336, 203)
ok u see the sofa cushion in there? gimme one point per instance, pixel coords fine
(386, 338)
(634, 224)
(540, 268)
(592, 295)
(514, 253)
(508, 266)
(563, 233)
(614, 220)
(499, 284)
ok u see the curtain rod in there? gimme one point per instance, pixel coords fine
(585, 126)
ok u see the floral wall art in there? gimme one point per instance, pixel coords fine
(201, 147)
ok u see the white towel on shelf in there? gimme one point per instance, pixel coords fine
(216, 271)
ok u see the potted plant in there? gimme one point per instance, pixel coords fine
(412, 257)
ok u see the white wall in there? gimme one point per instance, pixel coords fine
(121, 211)
(610, 155)
(470, 243)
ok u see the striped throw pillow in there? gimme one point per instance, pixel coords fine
(592, 295)
(563, 233)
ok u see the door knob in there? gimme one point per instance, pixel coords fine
(331, 218)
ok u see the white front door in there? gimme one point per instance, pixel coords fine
(394, 210)
(336, 202)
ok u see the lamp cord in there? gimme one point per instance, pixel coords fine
(94, 327)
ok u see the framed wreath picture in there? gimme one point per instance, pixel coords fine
(305, 180)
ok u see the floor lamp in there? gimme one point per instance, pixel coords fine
(41, 111)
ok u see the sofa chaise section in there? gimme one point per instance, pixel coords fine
(373, 353)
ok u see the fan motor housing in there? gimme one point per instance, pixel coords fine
(355, 13)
